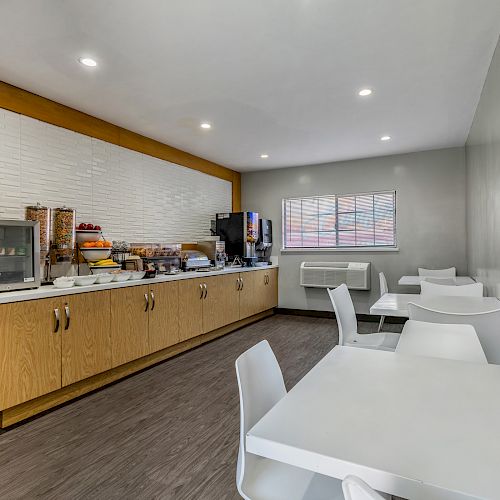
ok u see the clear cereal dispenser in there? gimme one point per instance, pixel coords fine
(64, 232)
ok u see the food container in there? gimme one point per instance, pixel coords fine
(102, 278)
(2, 250)
(104, 269)
(121, 276)
(64, 230)
(64, 282)
(95, 254)
(85, 280)
(83, 235)
(137, 275)
(11, 251)
(42, 215)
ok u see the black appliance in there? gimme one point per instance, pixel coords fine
(239, 231)
(265, 240)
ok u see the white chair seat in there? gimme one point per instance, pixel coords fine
(271, 480)
(383, 341)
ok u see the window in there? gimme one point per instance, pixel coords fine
(340, 221)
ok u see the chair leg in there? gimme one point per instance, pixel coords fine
(381, 323)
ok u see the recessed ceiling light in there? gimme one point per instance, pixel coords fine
(264, 156)
(365, 92)
(385, 138)
(87, 61)
(206, 125)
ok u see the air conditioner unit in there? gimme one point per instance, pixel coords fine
(356, 275)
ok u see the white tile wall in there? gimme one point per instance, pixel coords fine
(133, 196)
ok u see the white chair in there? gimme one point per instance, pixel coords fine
(441, 281)
(348, 324)
(487, 325)
(261, 386)
(472, 290)
(356, 489)
(451, 272)
(383, 290)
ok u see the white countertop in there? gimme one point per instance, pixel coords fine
(51, 291)
(413, 426)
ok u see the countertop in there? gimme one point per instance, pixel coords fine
(45, 292)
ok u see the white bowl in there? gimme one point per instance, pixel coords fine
(64, 282)
(102, 278)
(121, 276)
(95, 254)
(83, 235)
(137, 275)
(85, 280)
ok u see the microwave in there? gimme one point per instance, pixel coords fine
(19, 255)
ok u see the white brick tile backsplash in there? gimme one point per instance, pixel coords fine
(134, 197)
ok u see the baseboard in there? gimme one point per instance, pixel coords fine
(23, 411)
(329, 314)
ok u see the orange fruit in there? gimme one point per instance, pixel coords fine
(107, 244)
(99, 244)
(88, 244)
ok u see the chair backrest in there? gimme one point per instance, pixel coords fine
(344, 312)
(472, 290)
(261, 386)
(383, 284)
(487, 325)
(355, 488)
(451, 272)
(441, 281)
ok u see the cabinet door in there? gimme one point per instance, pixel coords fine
(271, 289)
(86, 335)
(129, 323)
(190, 308)
(30, 350)
(163, 315)
(221, 305)
(249, 299)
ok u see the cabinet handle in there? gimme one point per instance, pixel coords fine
(242, 283)
(146, 297)
(153, 303)
(201, 290)
(206, 290)
(66, 313)
(238, 284)
(57, 318)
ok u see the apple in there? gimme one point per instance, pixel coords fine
(90, 227)
(97, 228)
(82, 226)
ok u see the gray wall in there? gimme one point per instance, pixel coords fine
(430, 188)
(483, 184)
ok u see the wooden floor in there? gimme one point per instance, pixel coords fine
(170, 432)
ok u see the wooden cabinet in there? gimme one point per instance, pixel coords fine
(191, 293)
(30, 350)
(86, 335)
(163, 315)
(249, 299)
(129, 323)
(221, 303)
(270, 294)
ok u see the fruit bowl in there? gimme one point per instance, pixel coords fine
(95, 254)
(83, 235)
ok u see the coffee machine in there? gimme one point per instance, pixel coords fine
(239, 231)
(264, 240)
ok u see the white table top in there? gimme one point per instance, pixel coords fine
(415, 280)
(460, 342)
(396, 304)
(411, 426)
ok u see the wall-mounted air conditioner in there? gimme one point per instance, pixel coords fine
(356, 275)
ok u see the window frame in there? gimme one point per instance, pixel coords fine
(364, 248)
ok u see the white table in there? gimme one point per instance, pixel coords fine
(415, 280)
(460, 342)
(396, 304)
(411, 426)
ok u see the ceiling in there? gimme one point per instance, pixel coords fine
(279, 77)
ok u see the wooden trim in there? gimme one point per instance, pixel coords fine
(368, 318)
(28, 409)
(28, 104)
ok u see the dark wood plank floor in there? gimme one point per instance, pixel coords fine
(170, 432)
